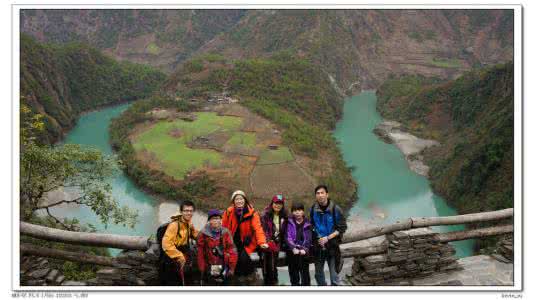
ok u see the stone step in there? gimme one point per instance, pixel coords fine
(51, 277)
(39, 273)
(73, 283)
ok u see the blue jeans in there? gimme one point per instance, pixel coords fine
(319, 269)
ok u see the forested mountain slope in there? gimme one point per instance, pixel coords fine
(61, 81)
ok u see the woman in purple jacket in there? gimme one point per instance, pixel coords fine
(298, 241)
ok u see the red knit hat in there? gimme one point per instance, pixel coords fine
(279, 198)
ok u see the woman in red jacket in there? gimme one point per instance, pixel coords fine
(245, 226)
(217, 255)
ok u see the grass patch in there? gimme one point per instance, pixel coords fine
(281, 155)
(153, 49)
(446, 63)
(422, 36)
(247, 139)
(173, 154)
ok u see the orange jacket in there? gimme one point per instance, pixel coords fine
(172, 240)
(250, 227)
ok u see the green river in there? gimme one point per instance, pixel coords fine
(388, 189)
(91, 130)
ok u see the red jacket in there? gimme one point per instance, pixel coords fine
(250, 228)
(206, 242)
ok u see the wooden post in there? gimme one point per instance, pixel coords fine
(364, 251)
(463, 219)
(84, 238)
(473, 233)
(359, 235)
(66, 255)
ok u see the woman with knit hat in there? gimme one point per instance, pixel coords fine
(273, 221)
(244, 224)
(217, 255)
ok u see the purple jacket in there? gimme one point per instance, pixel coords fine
(291, 235)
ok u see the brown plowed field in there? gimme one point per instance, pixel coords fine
(285, 178)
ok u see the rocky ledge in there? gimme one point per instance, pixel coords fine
(411, 146)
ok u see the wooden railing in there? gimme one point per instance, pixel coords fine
(143, 243)
(418, 222)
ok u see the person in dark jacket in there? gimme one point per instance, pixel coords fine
(273, 222)
(298, 239)
(217, 255)
(329, 225)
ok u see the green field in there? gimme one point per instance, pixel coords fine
(172, 152)
(152, 48)
(247, 139)
(281, 155)
(446, 63)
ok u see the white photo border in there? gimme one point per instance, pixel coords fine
(518, 150)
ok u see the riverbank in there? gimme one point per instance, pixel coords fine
(392, 132)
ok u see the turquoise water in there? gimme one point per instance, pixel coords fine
(388, 190)
(92, 131)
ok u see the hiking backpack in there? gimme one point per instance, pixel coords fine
(163, 257)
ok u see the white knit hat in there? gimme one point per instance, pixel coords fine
(238, 192)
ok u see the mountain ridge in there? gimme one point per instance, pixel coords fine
(358, 48)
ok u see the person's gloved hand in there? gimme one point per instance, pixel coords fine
(296, 251)
(302, 252)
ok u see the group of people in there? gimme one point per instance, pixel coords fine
(220, 253)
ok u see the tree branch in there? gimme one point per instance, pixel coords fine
(54, 187)
(77, 201)
(58, 221)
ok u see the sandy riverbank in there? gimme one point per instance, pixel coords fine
(410, 145)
